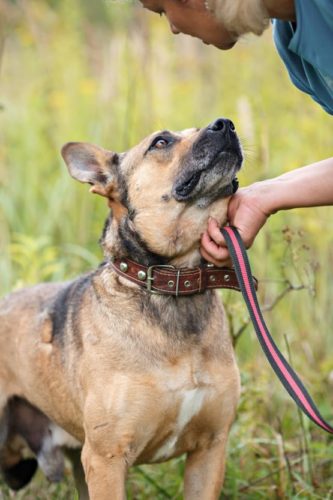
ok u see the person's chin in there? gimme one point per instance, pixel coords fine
(221, 45)
(225, 45)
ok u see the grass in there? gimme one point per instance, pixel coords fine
(110, 75)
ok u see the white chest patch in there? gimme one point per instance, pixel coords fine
(191, 404)
(59, 437)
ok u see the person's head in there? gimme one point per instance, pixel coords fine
(192, 18)
(215, 22)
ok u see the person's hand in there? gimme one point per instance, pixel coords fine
(250, 207)
(246, 213)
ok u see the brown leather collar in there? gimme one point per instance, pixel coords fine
(168, 280)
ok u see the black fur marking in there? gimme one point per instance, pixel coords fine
(115, 159)
(59, 312)
(66, 309)
(106, 228)
(213, 156)
(122, 188)
(135, 248)
(131, 212)
(123, 191)
(20, 475)
(178, 316)
(225, 191)
(101, 178)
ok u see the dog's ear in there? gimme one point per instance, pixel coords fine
(92, 164)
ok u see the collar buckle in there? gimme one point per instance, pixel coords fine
(150, 277)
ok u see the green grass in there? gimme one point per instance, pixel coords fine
(110, 75)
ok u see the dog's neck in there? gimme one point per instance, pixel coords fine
(182, 318)
(120, 239)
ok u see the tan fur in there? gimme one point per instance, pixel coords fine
(171, 235)
(115, 380)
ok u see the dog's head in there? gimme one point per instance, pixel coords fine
(162, 191)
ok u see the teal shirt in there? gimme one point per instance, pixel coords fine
(307, 49)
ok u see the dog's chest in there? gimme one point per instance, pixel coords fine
(190, 403)
(185, 412)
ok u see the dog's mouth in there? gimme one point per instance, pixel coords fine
(187, 187)
(209, 169)
(215, 181)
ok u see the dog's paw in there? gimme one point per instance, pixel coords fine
(20, 475)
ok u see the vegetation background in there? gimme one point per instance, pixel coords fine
(108, 72)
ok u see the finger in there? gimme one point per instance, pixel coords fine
(212, 249)
(217, 263)
(214, 232)
(209, 258)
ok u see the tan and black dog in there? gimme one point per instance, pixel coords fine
(102, 364)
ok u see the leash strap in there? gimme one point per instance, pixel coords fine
(283, 370)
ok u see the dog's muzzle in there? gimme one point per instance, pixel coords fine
(209, 169)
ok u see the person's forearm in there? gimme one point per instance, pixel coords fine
(309, 186)
(251, 206)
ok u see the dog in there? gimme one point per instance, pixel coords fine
(103, 364)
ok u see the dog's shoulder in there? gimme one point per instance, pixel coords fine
(57, 303)
(67, 305)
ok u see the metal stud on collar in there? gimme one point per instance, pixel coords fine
(142, 275)
(123, 267)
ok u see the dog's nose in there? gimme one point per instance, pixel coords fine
(222, 125)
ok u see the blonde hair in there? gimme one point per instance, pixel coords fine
(240, 16)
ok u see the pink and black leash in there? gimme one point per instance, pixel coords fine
(286, 374)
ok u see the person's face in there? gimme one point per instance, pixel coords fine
(192, 18)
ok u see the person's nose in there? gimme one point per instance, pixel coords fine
(222, 125)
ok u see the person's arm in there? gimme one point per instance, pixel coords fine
(250, 207)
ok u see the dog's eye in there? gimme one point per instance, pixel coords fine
(159, 143)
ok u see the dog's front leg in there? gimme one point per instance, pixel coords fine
(105, 475)
(74, 457)
(204, 471)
